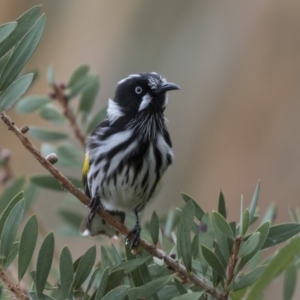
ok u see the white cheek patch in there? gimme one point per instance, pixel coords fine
(113, 111)
(145, 102)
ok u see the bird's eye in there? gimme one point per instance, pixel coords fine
(138, 90)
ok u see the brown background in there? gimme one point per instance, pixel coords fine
(235, 119)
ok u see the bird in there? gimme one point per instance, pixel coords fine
(127, 153)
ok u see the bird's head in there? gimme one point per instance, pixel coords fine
(140, 92)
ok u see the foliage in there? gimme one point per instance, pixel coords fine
(228, 255)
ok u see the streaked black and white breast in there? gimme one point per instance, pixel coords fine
(131, 149)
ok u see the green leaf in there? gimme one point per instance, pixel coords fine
(3, 61)
(195, 246)
(91, 281)
(27, 245)
(279, 263)
(85, 267)
(152, 287)
(130, 265)
(22, 53)
(222, 224)
(8, 209)
(24, 23)
(250, 245)
(15, 91)
(10, 192)
(154, 228)
(66, 272)
(115, 254)
(188, 214)
(105, 258)
(290, 282)
(102, 284)
(44, 262)
(11, 256)
(184, 246)
(190, 296)
(280, 233)
(180, 287)
(6, 29)
(114, 279)
(245, 221)
(253, 203)
(81, 85)
(30, 194)
(270, 214)
(72, 217)
(31, 103)
(47, 135)
(52, 114)
(98, 118)
(88, 97)
(50, 75)
(249, 278)
(118, 293)
(78, 74)
(222, 243)
(10, 228)
(198, 210)
(213, 261)
(222, 205)
(48, 182)
(68, 156)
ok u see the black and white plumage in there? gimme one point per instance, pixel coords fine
(128, 152)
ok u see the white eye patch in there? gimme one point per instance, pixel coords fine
(145, 102)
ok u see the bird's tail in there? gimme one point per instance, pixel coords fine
(97, 225)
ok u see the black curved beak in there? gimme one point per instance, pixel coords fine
(167, 86)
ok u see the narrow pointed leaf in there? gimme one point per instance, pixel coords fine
(44, 262)
(152, 287)
(27, 245)
(85, 267)
(24, 23)
(245, 221)
(222, 243)
(221, 205)
(280, 233)
(118, 293)
(8, 209)
(279, 263)
(222, 224)
(290, 282)
(50, 75)
(3, 61)
(11, 256)
(6, 29)
(10, 228)
(195, 246)
(184, 246)
(88, 97)
(188, 214)
(22, 53)
(77, 74)
(250, 245)
(115, 254)
(105, 258)
(213, 261)
(180, 287)
(253, 203)
(249, 278)
(198, 210)
(47, 135)
(15, 91)
(154, 228)
(91, 281)
(98, 118)
(130, 265)
(102, 285)
(190, 296)
(66, 272)
(114, 279)
(52, 114)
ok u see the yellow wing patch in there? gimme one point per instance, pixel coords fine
(86, 167)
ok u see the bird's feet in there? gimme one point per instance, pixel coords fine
(94, 205)
(136, 232)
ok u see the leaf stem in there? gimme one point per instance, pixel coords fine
(66, 184)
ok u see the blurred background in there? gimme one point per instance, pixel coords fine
(236, 118)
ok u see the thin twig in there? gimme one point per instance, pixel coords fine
(66, 184)
(58, 93)
(14, 288)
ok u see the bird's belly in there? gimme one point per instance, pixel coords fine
(127, 191)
